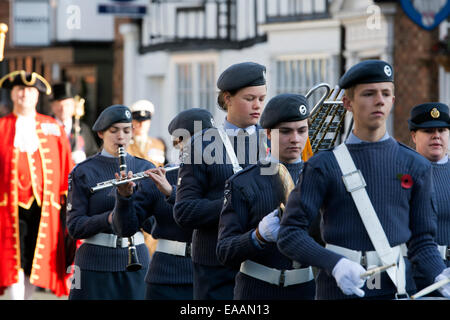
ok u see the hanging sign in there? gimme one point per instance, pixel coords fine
(428, 14)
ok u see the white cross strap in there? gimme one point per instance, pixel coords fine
(229, 149)
(355, 184)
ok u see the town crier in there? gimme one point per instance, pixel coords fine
(35, 161)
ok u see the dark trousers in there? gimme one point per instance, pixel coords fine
(28, 230)
(100, 285)
(213, 282)
(169, 291)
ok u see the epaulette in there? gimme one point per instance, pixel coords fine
(246, 169)
(85, 161)
(140, 158)
(406, 146)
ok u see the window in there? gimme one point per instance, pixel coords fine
(298, 75)
(196, 85)
(207, 84)
(184, 86)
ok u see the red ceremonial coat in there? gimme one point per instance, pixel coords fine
(48, 269)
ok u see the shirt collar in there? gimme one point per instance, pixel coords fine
(107, 154)
(444, 160)
(352, 139)
(233, 130)
(271, 158)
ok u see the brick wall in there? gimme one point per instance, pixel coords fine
(416, 72)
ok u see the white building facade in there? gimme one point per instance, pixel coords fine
(177, 53)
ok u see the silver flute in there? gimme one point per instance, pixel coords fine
(118, 182)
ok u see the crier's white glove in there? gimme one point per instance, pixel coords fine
(269, 226)
(445, 289)
(78, 156)
(347, 274)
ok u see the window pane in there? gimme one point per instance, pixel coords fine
(299, 75)
(206, 85)
(184, 86)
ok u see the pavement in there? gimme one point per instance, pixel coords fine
(38, 295)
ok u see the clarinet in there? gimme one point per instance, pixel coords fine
(133, 261)
(117, 182)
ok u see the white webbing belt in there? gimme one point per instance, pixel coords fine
(444, 251)
(229, 149)
(277, 277)
(173, 247)
(367, 259)
(355, 184)
(112, 240)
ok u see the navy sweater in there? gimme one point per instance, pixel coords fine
(134, 211)
(441, 181)
(249, 197)
(88, 214)
(406, 214)
(201, 185)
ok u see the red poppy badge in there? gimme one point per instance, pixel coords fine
(406, 180)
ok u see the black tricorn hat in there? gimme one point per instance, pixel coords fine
(63, 91)
(23, 78)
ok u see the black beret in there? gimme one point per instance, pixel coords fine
(185, 120)
(241, 75)
(23, 78)
(62, 91)
(113, 114)
(368, 71)
(429, 115)
(286, 107)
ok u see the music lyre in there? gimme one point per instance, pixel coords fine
(3, 31)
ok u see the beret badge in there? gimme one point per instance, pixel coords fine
(302, 109)
(128, 114)
(435, 113)
(387, 70)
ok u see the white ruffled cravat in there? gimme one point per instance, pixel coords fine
(26, 139)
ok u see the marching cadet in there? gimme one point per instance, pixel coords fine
(170, 272)
(249, 222)
(206, 166)
(103, 257)
(35, 161)
(429, 125)
(374, 195)
(82, 143)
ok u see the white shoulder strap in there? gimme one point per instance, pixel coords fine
(355, 184)
(229, 149)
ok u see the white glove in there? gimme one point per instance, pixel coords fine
(348, 277)
(269, 226)
(445, 289)
(78, 156)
